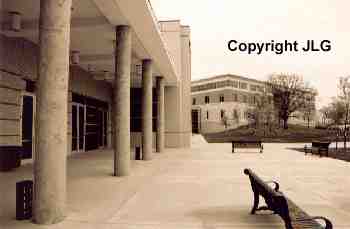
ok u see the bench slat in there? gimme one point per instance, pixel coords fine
(293, 216)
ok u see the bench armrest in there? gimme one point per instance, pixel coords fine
(277, 185)
(327, 221)
(329, 224)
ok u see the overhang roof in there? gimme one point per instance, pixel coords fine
(93, 33)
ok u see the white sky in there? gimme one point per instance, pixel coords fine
(215, 22)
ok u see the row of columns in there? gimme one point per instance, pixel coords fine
(122, 105)
(49, 199)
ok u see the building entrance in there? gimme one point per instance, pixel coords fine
(89, 123)
(78, 127)
(28, 107)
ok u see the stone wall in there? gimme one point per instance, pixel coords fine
(11, 89)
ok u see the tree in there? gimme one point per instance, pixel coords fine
(309, 109)
(344, 99)
(289, 92)
(261, 116)
(325, 114)
(339, 109)
(336, 112)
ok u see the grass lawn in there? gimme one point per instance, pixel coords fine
(293, 134)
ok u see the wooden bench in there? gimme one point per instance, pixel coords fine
(247, 145)
(317, 147)
(293, 216)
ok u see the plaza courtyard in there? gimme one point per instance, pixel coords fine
(201, 187)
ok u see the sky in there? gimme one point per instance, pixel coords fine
(214, 23)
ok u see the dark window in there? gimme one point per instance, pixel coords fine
(244, 99)
(235, 114)
(222, 113)
(254, 87)
(207, 99)
(235, 84)
(193, 101)
(207, 114)
(243, 85)
(222, 98)
(235, 97)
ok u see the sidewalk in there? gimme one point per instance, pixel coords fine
(202, 187)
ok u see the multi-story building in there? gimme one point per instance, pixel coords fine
(87, 74)
(222, 102)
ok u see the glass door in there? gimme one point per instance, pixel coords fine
(28, 108)
(78, 127)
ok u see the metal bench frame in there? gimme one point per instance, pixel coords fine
(279, 204)
(319, 146)
(247, 144)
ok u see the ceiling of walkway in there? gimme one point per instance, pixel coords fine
(92, 35)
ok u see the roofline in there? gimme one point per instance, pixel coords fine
(227, 75)
(170, 20)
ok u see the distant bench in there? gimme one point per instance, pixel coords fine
(247, 145)
(293, 216)
(319, 148)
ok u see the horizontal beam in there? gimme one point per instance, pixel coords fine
(76, 23)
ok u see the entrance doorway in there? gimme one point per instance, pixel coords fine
(102, 127)
(195, 121)
(28, 120)
(89, 123)
(78, 127)
(96, 128)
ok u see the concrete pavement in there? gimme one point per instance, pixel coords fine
(201, 187)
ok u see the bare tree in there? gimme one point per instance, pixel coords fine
(344, 99)
(261, 116)
(325, 114)
(289, 91)
(336, 112)
(339, 109)
(309, 108)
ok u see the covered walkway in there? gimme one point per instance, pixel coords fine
(202, 187)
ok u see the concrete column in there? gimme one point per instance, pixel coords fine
(147, 109)
(161, 115)
(122, 101)
(51, 121)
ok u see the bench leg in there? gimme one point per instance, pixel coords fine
(256, 203)
(288, 224)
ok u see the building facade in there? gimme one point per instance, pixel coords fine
(222, 102)
(82, 75)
